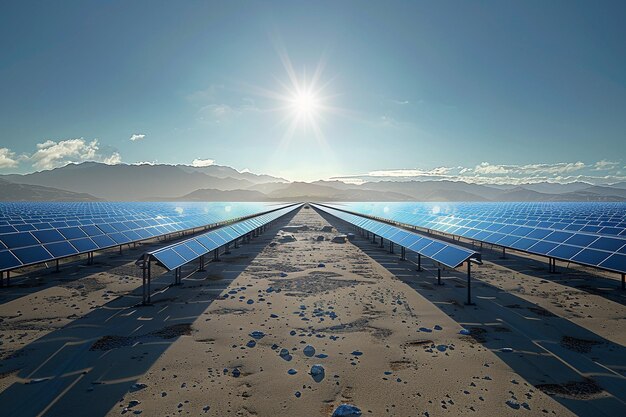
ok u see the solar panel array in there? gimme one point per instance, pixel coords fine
(591, 234)
(32, 233)
(178, 254)
(442, 252)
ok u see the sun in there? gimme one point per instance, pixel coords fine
(305, 104)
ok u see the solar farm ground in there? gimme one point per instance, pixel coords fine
(387, 338)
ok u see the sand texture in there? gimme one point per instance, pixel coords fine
(293, 324)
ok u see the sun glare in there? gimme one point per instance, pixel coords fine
(305, 103)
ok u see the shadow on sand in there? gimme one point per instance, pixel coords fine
(579, 369)
(86, 367)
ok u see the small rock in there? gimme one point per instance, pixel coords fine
(347, 410)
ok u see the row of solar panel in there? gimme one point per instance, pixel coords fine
(442, 252)
(19, 249)
(456, 225)
(595, 222)
(574, 227)
(29, 212)
(179, 254)
(584, 248)
(117, 224)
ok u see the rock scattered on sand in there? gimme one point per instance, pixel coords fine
(137, 387)
(347, 410)
(287, 238)
(295, 228)
(327, 229)
(317, 373)
(309, 351)
(340, 239)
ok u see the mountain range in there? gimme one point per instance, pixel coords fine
(92, 181)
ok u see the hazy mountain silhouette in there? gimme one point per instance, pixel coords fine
(91, 181)
(23, 192)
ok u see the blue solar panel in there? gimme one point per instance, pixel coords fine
(176, 255)
(91, 230)
(16, 240)
(590, 257)
(8, 260)
(170, 259)
(60, 249)
(72, 232)
(423, 245)
(47, 236)
(33, 254)
(108, 224)
(84, 244)
(103, 241)
(593, 232)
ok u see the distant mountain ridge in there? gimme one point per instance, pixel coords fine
(23, 192)
(92, 181)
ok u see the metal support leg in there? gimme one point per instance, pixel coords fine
(391, 248)
(216, 255)
(623, 281)
(373, 238)
(144, 271)
(201, 268)
(8, 278)
(236, 243)
(382, 242)
(402, 253)
(2, 278)
(120, 249)
(227, 249)
(439, 276)
(503, 252)
(149, 280)
(419, 262)
(469, 283)
(57, 266)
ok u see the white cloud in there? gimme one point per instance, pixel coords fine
(114, 159)
(435, 172)
(488, 173)
(137, 136)
(605, 165)
(557, 168)
(51, 154)
(199, 163)
(7, 159)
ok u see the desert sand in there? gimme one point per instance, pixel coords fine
(294, 324)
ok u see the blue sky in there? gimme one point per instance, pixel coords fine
(480, 90)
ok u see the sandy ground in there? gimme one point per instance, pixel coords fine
(242, 338)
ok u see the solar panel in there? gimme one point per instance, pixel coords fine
(178, 254)
(33, 229)
(442, 252)
(586, 233)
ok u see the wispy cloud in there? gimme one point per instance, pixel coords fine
(605, 165)
(200, 163)
(7, 159)
(529, 169)
(601, 172)
(137, 136)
